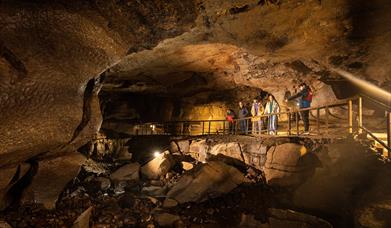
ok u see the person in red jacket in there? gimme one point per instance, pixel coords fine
(230, 118)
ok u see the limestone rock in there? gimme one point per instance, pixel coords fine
(104, 183)
(92, 166)
(158, 166)
(254, 154)
(154, 190)
(288, 218)
(166, 219)
(199, 150)
(287, 165)
(8, 177)
(231, 149)
(4, 224)
(83, 221)
(212, 179)
(181, 146)
(127, 172)
(169, 203)
(124, 154)
(187, 165)
(250, 221)
(52, 176)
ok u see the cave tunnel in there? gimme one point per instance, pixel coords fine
(126, 113)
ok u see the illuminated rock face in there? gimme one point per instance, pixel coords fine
(50, 53)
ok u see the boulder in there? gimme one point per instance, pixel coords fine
(199, 150)
(123, 153)
(212, 179)
(181, 146)
(288, 165)
(154, 191)
(187, 165)
(128, 172)
(254, 155)
(104, 183)
(231, 149)
(92, 166)
(250, 221)
(8, 177)
(279, 218)
(4, 224)
(158, 166)
(166, 220)
(52, 177)
(83, 221)
(168, 203)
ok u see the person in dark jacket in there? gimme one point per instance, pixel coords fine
(243, 113)
(305, 99)
(230, 118)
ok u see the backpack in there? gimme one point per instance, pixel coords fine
(309, 95)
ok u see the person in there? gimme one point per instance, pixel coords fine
(230, 118)
(272, 107)
(243, 112)
(305, 99)
(256, 113)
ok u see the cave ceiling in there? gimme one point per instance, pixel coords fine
(51, 52)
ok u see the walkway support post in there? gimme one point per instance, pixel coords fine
(327, 119)
(289, 123)
(297, 122)
(389, 131)
(350, 116)
(318, 120)
(360, 115)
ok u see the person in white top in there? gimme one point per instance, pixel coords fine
(272, 107)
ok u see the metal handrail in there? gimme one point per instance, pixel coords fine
(182, 127)
(376, 138)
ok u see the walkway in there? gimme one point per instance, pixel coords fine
(337, 120)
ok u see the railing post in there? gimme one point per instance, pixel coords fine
(350, 116)
(209, 128)
(247, 128)
(297, 122)
(318, 120)
(389, 131)
(327, 119)
(203, 127)
(289, 124)
(360, 115)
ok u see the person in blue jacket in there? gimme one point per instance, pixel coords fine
(305, 99)
(243, 113)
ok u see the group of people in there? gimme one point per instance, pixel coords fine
(262, 110)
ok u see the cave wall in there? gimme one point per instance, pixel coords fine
(49, 50)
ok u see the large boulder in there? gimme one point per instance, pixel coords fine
(288, 165)
(181, 146)
(199, 150)
(158, 166)
(128, 172)
(212, 179)
(254, 154)
(52, 177)
(9, 176)
(231, 149)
